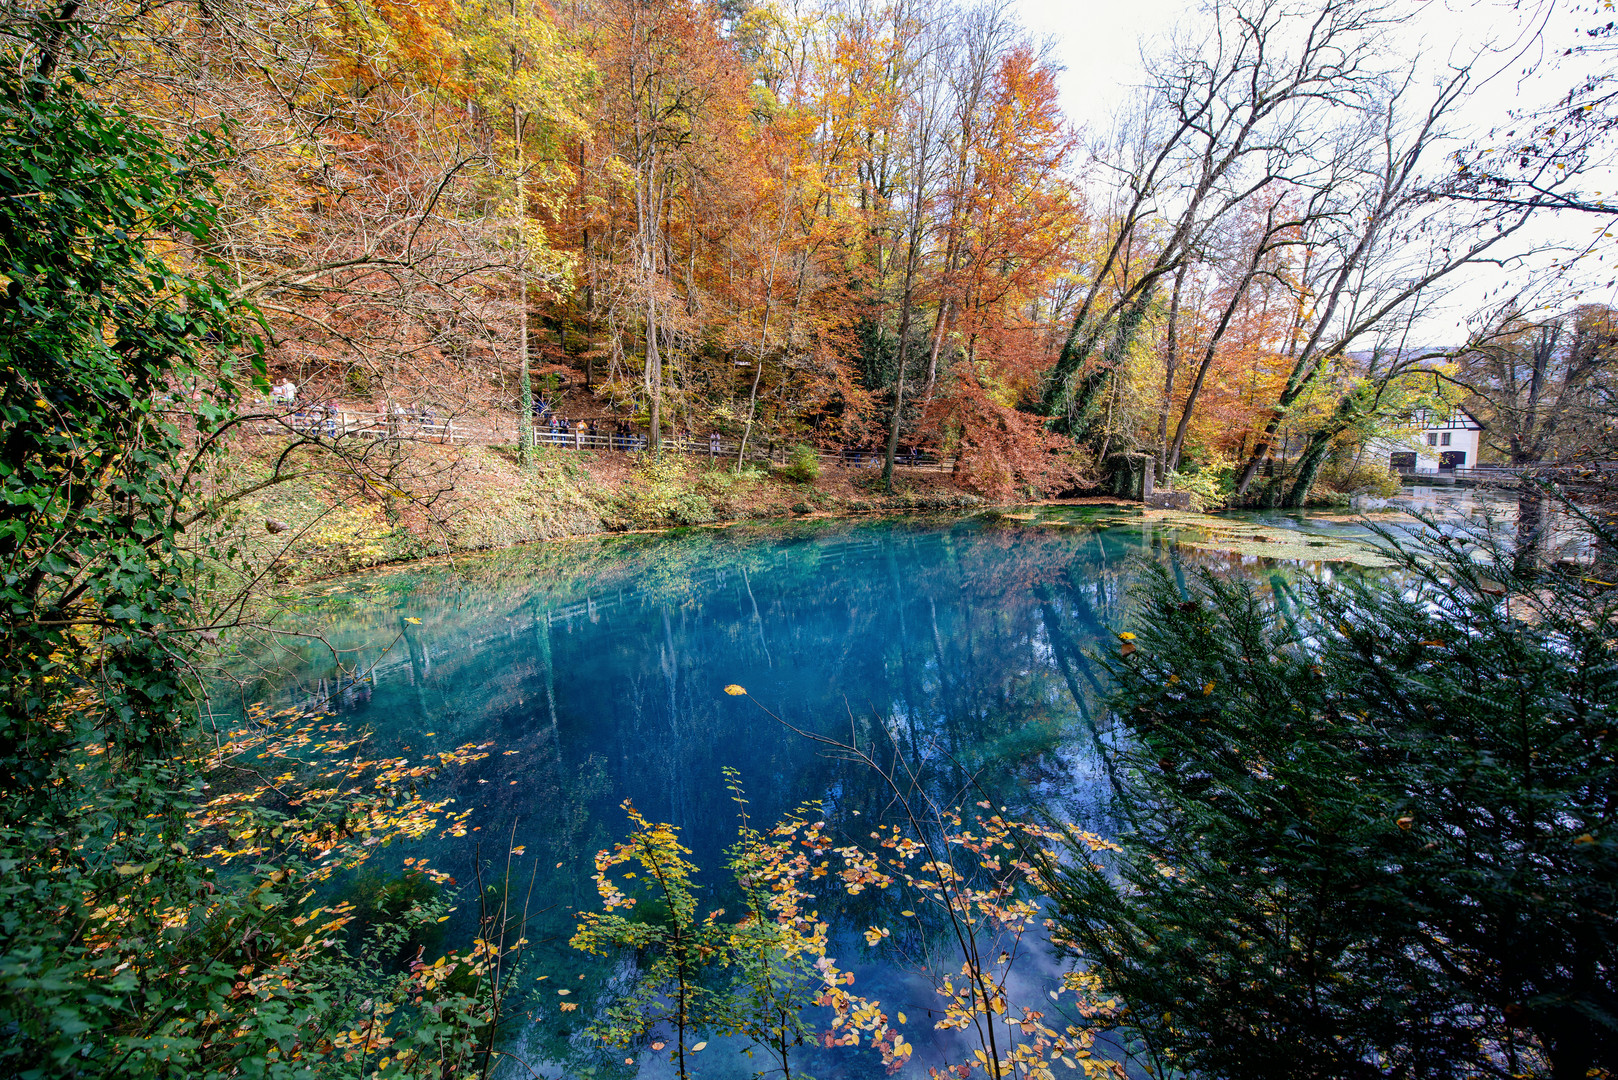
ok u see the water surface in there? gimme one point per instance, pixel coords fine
(598, 668)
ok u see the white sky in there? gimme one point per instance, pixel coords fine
(1099, 43)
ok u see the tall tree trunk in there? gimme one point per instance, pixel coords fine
(525, 388)
(904, 359)
(1531, 526)
(752, 406)
(654, 375)
(1171, 358)
(763, 342)
(1309, 463)
(938, 343)
(1261, 450)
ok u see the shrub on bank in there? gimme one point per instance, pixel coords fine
(803, 464)
(1208, 490)
(1371, 824)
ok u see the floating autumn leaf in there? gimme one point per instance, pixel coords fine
(734, 691)
(413, 621)
(1126, 636)
(1405, 822)
(1127, 648)
(659, 1045)
(699, 1046)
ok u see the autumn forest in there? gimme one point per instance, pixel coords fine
(871, 226)
(770, 538)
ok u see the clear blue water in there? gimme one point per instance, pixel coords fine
(598, 669)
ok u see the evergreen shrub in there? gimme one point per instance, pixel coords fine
(1372, 824)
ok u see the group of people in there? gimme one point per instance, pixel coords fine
(560, 431)
(400, 418)
(860, 458)
(325, 417)
(557, 430)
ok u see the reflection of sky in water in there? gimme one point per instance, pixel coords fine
(597, 669)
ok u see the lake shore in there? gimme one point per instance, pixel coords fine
(449, 501)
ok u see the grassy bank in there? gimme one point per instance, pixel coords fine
(322, 520)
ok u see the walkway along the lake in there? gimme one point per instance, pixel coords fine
(320, 423)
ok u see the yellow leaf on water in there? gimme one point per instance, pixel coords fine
(902, 1019)
(1126, 636)
(415, 622)
(908, 914)
(734, 691)
(699, 1046)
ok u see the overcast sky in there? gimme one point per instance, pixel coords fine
(1099, 44)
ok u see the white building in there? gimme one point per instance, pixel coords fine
(1442, 440)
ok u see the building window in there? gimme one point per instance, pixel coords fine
(1432, 439)
(1444, 441)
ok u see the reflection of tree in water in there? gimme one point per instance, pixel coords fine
(948, 633)
(597, 669)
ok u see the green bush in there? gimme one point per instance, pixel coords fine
(1371, 826)
(1359, 477)
(803, 464)
(716, 481)
(161, 914)
(1208, 490)
(689, 508)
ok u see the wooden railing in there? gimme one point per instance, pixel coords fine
(1513, 472)
(343, 424)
